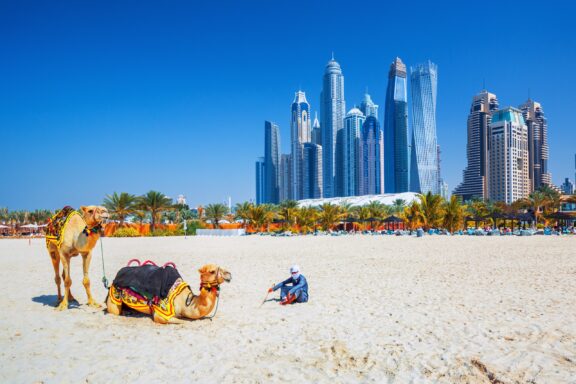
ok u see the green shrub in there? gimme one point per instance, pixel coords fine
(126, 232)
(167, 232)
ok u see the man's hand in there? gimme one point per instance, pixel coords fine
(270, 290)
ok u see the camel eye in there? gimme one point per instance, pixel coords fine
(91, 211)
(212, 272)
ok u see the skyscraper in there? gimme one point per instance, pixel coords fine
(316, 131)
(271, 163)
(537, 144)
(260, 180)
(285, 177)
(300, 133)
(368, 107)
(350, 138)
(424, 176)
(371, 158)
(396, 173)
(508, 159)
(475, 182)
(312, 170)
(567, 187)
(332, 110)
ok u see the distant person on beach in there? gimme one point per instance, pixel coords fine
(293, 289)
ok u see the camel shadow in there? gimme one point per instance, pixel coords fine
(52, 301)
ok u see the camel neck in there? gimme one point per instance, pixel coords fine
(200, 306)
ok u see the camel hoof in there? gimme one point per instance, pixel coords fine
(93, 304)
(62, 306)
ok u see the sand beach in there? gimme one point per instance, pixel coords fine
(382, 309)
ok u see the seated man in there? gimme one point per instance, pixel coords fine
(297, 292)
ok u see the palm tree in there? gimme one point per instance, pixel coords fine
(534, 202)
(306, 219)
(431, 209)
(120, 205)
(4, 214)
(288, 210)
(215, 213)
(477, 209)
(155, 203)
(362, 214)
(261, 215)
(378, 211)
(413, 215)
(494, 209)
(243, 211)
(329, 216)
(398, 206)
(454, 213)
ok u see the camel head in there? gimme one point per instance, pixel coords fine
(214, 275)
(94, 214)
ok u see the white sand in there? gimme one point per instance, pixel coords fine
(382, 309)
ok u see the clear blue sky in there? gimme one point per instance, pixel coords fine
(97, 96)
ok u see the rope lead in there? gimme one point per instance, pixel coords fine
(104, 279)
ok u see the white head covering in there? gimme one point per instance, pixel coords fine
(295, 268)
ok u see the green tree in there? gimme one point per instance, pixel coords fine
(306, 219)
(242, 211)
(454, 213)
(287, 211)
(261, 216)
(398, 206)
(215, 213)
(154, 203)
(413, 215)
(329, 215)
(120, 205)
(431, 209)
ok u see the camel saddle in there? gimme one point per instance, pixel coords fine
(57, 224)
(150, 281)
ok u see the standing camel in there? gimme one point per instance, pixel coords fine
(70, 234)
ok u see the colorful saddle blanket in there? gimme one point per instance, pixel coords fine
(149, 281)
(162, 307)
(57, 224)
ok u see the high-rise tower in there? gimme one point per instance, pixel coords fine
(396, 173)
(312, 170)
(300, 133)
(368, 107)
(424, 176)
(316, 131)
(475, 183)
(537, 144)
(271, 163)
(260, 180)
(332, 110)
(508, 154)
(285, 177)
(371, 158)
(350, 139)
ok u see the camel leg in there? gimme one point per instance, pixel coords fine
(55, 258)
(86, 258)
(65, 260)
(114, 309)
(70, 295)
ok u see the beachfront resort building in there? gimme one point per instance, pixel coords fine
(371, 162)
(271, 162)
(537, 144)
(396, 171)
(332, 111)
(312, 171)
(475, 175)
(300, 133)
(424, 167)
(508, 161)
(349, 145)
(260, 180)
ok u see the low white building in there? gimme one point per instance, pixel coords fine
(354, 201)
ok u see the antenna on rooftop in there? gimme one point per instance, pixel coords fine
(332, 55)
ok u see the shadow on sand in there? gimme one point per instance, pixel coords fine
(52, 301)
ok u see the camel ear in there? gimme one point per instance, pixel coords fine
(83, 209)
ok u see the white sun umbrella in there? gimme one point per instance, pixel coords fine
(4, 226)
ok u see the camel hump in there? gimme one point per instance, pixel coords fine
(149, 281)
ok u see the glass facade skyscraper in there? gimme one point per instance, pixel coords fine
(371, 158)
(260, 180)
(368, 107)
(271, 163)
(350, 148)
(332, 110)
(396, 163)
(312, 170)
(300, 133)
(424, 166)
(475, 175)
(537, 143)
(316, 131)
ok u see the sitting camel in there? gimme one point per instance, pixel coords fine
(170, 299)
(70, 233)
